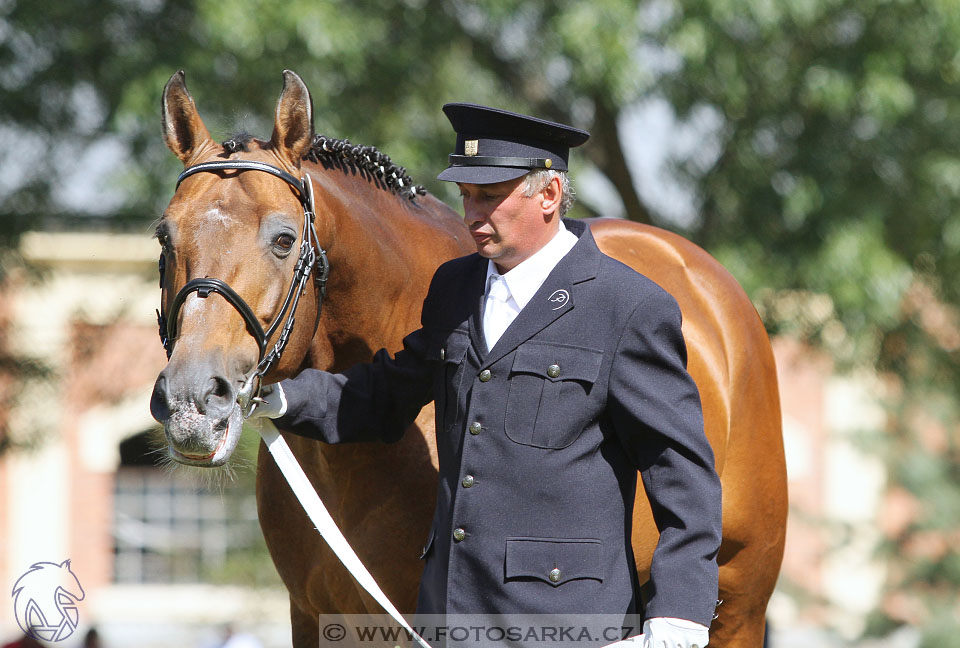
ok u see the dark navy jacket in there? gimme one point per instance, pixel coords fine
(549, 428)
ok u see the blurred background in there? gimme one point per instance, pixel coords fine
(812, 146)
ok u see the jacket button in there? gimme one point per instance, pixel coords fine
(485, 375)
(467, 481)
(475, 428)
(443, 354)
(554, 575)
(553, 370)
(459, 534)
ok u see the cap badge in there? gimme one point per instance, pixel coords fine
(471, 147)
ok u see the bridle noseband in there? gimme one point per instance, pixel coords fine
(312, 258)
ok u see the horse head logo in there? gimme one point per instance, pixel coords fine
(45, 601)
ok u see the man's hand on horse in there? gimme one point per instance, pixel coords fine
(271, 404)
(665, 632)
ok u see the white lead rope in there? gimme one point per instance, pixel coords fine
(332, 535)
(325, 524)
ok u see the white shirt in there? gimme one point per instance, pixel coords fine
(507, 294)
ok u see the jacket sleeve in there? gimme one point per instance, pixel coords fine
(370, 401)
(656, 412)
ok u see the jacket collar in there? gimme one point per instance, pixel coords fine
(553, 300)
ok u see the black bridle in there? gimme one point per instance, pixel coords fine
(312, 258)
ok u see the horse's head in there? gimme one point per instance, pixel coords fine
(231, 242)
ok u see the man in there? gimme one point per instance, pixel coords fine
(557, 374)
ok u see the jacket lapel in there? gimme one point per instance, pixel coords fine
(476, 287)
(554, 298)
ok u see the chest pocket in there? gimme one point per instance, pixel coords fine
(549, 388)
(448, 352)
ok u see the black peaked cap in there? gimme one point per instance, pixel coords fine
(496, 145)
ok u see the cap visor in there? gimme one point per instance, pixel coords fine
(481, 174)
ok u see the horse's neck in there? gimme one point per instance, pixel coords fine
(383, 251)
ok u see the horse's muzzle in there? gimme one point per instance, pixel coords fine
(201, 419)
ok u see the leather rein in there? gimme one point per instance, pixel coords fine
(312, 261)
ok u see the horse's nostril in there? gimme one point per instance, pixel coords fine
(159, 401)
(218, 399)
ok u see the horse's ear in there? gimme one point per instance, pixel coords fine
(183, 130)
(293, 128)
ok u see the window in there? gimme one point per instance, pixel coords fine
(169, 529)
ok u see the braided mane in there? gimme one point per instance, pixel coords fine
(342, 154)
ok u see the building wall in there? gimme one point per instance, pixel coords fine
(830, 577)
(90, 318)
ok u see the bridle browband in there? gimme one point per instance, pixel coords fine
(312, 258)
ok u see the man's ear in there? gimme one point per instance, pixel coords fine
(550, 196)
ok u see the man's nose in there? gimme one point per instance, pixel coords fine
(470, 213)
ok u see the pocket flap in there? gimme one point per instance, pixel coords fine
(558, 362)
(554, 560)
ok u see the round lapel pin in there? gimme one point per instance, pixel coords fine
(558, 299)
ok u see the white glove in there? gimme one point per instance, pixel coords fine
(667, 632)
(272, 402)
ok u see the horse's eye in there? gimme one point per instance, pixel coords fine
(284, 242)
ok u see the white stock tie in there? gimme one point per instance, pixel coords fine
(498, 311)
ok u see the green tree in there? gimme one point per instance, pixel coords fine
(838, 175)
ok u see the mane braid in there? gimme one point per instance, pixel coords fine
(326, 150)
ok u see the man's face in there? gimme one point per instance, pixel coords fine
(507, 225)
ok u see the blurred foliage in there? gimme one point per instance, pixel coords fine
(834, 200)
(827, 181)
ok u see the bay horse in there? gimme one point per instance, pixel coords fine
(383, 239)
